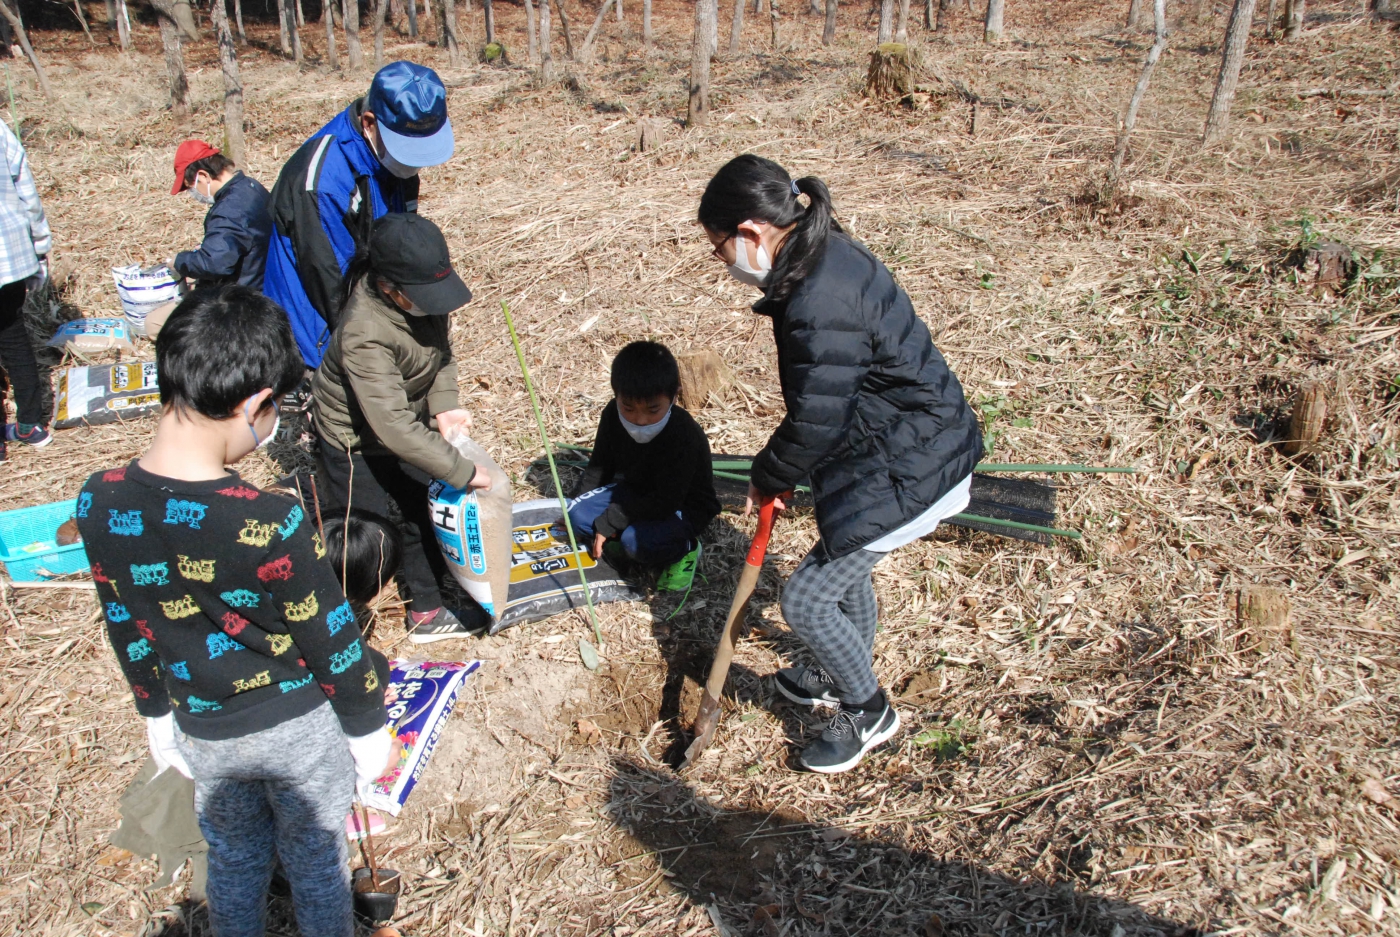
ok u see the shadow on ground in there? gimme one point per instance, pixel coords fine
(771, 872)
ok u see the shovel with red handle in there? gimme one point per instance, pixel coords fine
(707, 719)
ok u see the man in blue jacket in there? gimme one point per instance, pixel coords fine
(236, 227)
(359, 167)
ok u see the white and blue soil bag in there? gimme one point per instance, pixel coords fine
(473, 530)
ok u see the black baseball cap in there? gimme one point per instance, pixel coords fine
(409, 251)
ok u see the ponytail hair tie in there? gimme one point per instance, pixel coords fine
(795, 189)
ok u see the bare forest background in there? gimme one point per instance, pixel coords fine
(1162, 237)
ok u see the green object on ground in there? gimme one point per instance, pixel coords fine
(679, 575)
(977, 518)
(558, 486)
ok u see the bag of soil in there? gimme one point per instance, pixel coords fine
(473, 530)
(544, 574)
(105, 394)
(87, 335)
(142, 291)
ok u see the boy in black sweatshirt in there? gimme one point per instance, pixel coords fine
(236, 639)
(650, 483)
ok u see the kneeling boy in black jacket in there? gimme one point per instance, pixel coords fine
(650, 483)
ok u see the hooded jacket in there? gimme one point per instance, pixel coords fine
(384, 375)
(326, 197)
(236, 232)
(874, 415)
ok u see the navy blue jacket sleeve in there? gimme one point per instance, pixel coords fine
(226, 241)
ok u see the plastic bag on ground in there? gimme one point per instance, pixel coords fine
(105, 393)
(142, 291)
(473, 530)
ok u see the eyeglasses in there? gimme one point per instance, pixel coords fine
(719, 248)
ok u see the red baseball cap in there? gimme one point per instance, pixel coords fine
(188, 152)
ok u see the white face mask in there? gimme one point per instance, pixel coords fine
(277, 422)
(743, 271)
(200, 197)
(645, 434)
(396, 168)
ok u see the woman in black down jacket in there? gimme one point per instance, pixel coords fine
(874, 419)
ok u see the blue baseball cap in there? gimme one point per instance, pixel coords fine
(410, 104)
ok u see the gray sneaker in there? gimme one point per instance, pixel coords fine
(807, 686)
(851, 734)
(441, 627)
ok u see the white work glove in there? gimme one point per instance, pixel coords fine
(160, 735)
(371, 753)
(37, 280)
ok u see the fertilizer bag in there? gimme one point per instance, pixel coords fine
(105, 394)
(88, 335)
(420, 697)
(142, 291)
(545, 578)
(473, 530)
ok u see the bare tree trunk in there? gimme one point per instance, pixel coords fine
(1120, 151)
(351, 14)
(412, 7)
(284, 33)
(992, 31)
(619, 11)
(328, 20)
(1269, 19)
(646, 25)
(233, 85)
(901, 30)
(546, 40)
(829, 28)
(381, 7)
(533, 29)
(174, 59)
(1134, 14)
(123, 25)
(736, 28)
(1294, 12)
(886, 32)
(773, 22)
(451, 32)
(111, 14)
(238, 19)
(945, 7)
(586, 53)
(698, 109)
(566, 29)
(714, 28)
(13, 18)
(184, 20)
(82, 21)
(1236, 38)
(488, 14)
(928, 15)
(291, 17)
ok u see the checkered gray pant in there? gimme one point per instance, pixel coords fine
(830, 604)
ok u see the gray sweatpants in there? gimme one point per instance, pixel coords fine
(830, 605)
(282, 792)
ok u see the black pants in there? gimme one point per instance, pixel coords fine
(378, 480)
(17, 355)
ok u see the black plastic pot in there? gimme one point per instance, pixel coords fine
(376, 904)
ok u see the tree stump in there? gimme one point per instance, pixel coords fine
(1328, 265)
(703, 375)
(1266, 612)
(893, 70)
(649, 134)
(1307, 420)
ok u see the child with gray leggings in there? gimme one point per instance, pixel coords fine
(875, 419)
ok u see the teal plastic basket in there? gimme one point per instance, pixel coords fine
(28, 542)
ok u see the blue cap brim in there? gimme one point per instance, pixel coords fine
(431, 150)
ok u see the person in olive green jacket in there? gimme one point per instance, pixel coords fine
(387, 376)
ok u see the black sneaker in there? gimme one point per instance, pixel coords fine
(807, 686)
(441, 627)
(851, 734)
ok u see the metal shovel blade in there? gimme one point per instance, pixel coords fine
(706, 722)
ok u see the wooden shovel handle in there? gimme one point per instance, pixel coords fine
(748, 579)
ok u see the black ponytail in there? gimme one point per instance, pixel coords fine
(751, 188)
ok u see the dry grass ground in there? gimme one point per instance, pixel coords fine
(1097, 742)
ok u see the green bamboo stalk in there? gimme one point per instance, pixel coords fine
(1052, 467)
(977, 518)
(553, 471)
